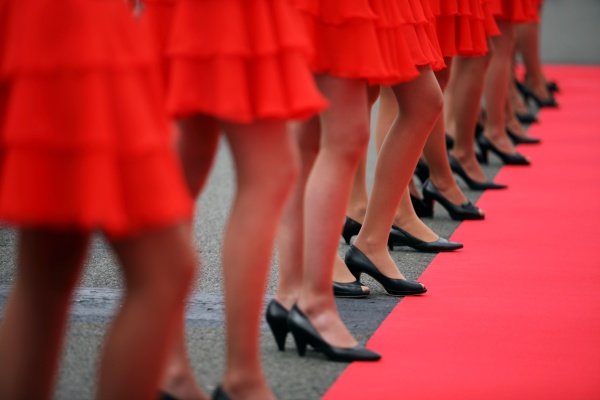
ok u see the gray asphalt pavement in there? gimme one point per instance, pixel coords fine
(569, 36)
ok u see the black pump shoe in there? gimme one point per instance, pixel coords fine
(517, 139)
(358, 263)
(486, 145)
(399, 237)
(462, 212)
(219, 394)
(277, 317)
(305, 334)
(528, 94)
(351, 228)
(422, 170)
(527, 118)
(422, 208)
(472, 183)
(349, 290)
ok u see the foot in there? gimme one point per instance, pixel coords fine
(449, 189)
(416, 228)
(341, 274)
(501, 141)
(539, 88)
(515, 126)
(323, 315)
(382, 258)
(471, 166)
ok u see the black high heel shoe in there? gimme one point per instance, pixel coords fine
(527, 118)
(508, 159)
(422, 170)
(422, 208)
(219, 394)
(527, 94)
(550, 102)
(358, 263)
(462, 212)
(399, 237)
(277, 319)
(472, 183)
(349, 290)
(305, 334)
(449, 142)
(517, 139)
(351, 228)
(552, 87)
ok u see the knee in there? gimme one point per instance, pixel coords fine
(278, 179)
(431, 104)
(351, 144)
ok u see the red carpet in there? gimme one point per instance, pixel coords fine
(516, 314)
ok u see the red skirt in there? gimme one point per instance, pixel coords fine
(381, 41)
(84, 143)
(516, 11)
(463, 27)
(240, 61)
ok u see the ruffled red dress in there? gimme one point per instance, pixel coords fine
(516, 11)
(381, 41)
(463, 26)
(240, 61)
(83, 142)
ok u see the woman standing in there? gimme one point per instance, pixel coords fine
(96, 157)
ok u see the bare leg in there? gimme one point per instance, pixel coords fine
(260, 149)
(32, 329)
(388, 110)
(159, 268)
(528, 45)
(344, 140)
(420, 104)
(496, 88)
(290, 239)
(197, 143)
(405, 216)
(436, 153)
(462, 108)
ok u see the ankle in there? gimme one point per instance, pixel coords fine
(443, 183)
(369, 245)
(316, 302)
(287, 298)
(357, 212)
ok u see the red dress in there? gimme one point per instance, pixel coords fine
(463, 26)
(240, 61)
(516, 11)
(83, 141)
(382, 41)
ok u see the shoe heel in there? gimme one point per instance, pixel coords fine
(482, 155)
(280, 331)
(347, 236)
(422, 208)
(427, 206)
(277, 319)
(300, 343)
(351, 228)
(353, 270)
